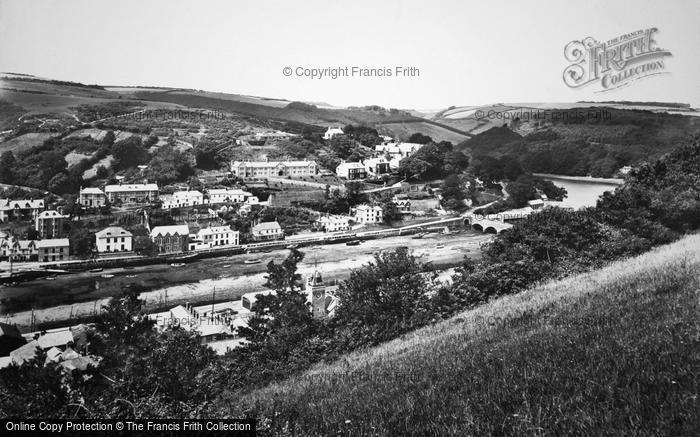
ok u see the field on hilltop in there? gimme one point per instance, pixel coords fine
(614, 351)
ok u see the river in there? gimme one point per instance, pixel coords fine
(582, 191)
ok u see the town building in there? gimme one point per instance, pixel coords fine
(402, 205)
(170, 239)
(267, 231)
(376, 166)
(331, 132)
(18, 250)
(227, 195)
(20, 209)
(263, 169)
(131, 194)
(92, 197)
(217, 236)
(333, 223)
(113, 239)
(181, 199)
(351, 170)
(49, 224)
(396, 152)
(53, 249)
(367, 214)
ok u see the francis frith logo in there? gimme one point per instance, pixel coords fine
(614, 63)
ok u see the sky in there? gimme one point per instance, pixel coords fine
(466, 52)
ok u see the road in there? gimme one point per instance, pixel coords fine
(225, 278)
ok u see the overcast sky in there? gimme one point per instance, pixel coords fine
(467, 52)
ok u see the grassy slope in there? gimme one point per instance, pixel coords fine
(614, 351)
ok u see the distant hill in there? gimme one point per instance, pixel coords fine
(612, 351)
(580, 147)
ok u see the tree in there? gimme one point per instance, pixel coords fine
(7, 166)
(384, 298)
(453, 193)
(109, 138)
(419, 138)
(129, 153)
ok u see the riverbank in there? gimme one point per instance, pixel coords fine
(230, 281)
(588, 179)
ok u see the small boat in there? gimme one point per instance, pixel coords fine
(226, 266)
(252, 261)
(96, 270)
(131, 276)
(107, 276)
(353, 243)
(418, 236)
(440, 246)
(51, 278)
(177, 265)
(293, 246)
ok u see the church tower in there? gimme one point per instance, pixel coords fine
(317, 293)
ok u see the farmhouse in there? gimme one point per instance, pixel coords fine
(331, 132)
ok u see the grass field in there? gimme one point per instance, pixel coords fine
(611, 352)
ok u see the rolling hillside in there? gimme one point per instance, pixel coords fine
(614, 351)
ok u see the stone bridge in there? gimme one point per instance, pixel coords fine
(485, 225)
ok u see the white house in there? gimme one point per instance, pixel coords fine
(351, 170)
(92, 197)
(367, 214)
(397, 152)
(267, 231)
(49, 224)
(182, 199)
(227, 195)
(331, 132)
(53, 249)
(113, 239)
(376, 166)
(333, 223)
(217, 236)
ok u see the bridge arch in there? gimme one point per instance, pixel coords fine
(490, 230)
(478, 227)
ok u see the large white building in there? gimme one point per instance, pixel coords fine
(113, 239)
(267, 231)
(263, 169)
(217, 236)
(227, 195)
(367, 214)
(181, 199)
(351, 170)
(333, 223)
(129, 194)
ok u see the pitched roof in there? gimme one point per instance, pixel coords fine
(113, 231)
(91, 190)
(172, 230)
(51, 214)
(10, 330)
(52, 242)
(214, 230)
(130, 187)
(266, 226)
(55, 339)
